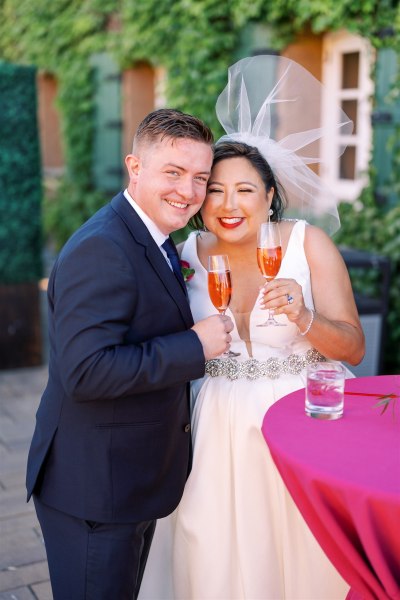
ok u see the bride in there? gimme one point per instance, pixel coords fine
(236, 533)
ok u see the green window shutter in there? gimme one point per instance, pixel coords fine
(255, 38)
(386, 124)
(107, 156)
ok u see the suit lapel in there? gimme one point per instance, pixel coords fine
(156, 259)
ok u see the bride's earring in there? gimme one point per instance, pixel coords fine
(270, 213)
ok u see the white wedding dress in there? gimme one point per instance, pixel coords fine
(237, 533)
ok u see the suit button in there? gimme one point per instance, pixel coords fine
(187, 428)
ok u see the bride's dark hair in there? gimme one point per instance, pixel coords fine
(227, 150)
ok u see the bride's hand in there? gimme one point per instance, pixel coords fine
(285, 296)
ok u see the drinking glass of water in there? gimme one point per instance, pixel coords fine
(325, 390)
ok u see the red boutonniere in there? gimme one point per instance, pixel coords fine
(187, 271)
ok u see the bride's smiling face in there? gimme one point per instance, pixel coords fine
(236, 202)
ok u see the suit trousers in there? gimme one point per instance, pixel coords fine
(93, 561)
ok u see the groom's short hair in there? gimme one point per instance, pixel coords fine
(173, 124)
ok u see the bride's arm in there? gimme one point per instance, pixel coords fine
(335, 330)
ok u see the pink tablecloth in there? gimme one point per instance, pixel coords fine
(344, 476)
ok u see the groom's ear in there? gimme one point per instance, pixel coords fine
(133, 164)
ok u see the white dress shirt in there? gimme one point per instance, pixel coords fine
(155, 233)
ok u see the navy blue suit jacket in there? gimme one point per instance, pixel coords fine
(112, 442)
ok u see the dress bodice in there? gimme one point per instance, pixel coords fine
(265, 341)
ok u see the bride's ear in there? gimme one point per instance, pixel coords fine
(270, 196)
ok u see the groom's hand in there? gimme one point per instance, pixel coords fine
(213, 334)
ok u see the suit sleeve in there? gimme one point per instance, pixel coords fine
(93, 295)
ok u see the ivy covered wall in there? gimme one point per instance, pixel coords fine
(20, 179)
(195, 40)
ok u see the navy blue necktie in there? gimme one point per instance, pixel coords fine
(173, 257)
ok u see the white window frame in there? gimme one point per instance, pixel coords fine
(334, 46)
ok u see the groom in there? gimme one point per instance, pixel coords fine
(111, 448)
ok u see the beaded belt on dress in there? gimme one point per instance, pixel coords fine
(273, 368)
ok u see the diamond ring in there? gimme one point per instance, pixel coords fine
(289, 299)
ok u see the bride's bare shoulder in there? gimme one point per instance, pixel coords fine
(202, 240)
(316, 236)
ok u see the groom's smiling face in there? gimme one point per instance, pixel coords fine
(168, 180)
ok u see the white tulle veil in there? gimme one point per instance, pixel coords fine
(273, 103)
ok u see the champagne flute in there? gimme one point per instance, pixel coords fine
(269, 258)
(220, 286)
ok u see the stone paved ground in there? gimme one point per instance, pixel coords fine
(23, 567)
